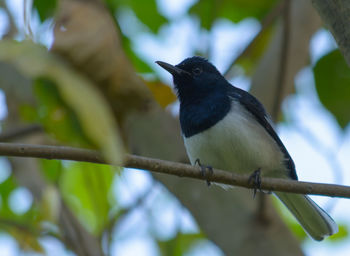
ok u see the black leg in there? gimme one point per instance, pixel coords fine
(204, 169)
(255, 179)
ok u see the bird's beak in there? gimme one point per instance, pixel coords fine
(172, 69)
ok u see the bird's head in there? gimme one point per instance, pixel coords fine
(195, 77)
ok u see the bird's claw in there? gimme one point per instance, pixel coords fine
(204, 169)
(255, 180)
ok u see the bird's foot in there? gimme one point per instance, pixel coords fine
(206, 170)
(255, 180)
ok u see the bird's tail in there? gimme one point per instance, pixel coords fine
(315, 221)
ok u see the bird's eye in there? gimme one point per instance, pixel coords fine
(197, 71)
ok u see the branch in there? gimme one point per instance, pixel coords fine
(12, 28)
(173, 168)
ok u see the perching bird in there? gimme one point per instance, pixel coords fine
(227, 128)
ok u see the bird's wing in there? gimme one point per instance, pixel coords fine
(258, 111)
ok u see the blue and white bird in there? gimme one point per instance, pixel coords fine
(227, 128)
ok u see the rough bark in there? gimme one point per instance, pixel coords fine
(335, 14)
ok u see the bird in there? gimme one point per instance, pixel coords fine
(227, 128)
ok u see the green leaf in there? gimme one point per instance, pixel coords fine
(297, 230)
(58, 118)
(112, 5)
(146, 12)
(180, 244)
(204, 11)
(6, 188)
(52, 169)
(332, 78)
(86, 188)
(92, 110)
(237, 10)
(136, 61)
(45, 8)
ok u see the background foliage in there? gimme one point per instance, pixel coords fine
(83, 95)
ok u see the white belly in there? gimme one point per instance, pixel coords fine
(237, 143)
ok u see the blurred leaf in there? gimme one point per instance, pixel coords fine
(297, 229)
(86, 188)
(28, 113)
(205, 11)
(342, 233)
(6, 188)
(56, 117)
(46, 8)
(332, 78)
(162, 93)
(112, 5)
(146, 11)
(180, 244)
(93, 112)
(52, 169)
(6, 213)
(137, 62)
(209, 10)
(26, 238)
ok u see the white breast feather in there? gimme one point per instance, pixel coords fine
(237, 143)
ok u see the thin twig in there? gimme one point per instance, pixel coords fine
(11, 28)
(281, 79)
(27, 19)
(267, 21)
(25, 228)
(20, 132)
(173, 168)
(120, 217)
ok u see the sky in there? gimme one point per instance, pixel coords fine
(315, 132)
